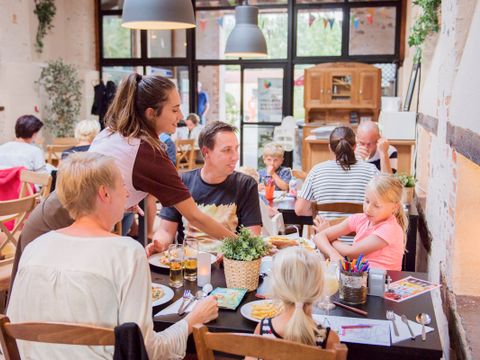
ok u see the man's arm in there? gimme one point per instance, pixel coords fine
(255, 229)
(163, 237)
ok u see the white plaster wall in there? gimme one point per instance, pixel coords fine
(72, 39)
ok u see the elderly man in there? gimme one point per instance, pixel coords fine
(226, 195)
(373, 148)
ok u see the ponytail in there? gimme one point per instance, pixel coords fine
(342, 143)
(402, 220)
(301, 328)
(135, 94)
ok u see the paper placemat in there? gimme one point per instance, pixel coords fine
(173, 309)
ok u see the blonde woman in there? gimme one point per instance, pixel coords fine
(380, 229)
(85, 132)
(84, 273)
(297, 281)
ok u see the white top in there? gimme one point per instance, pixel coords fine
(97, 281)
(16, 153)
(124, 151)
(327, 182)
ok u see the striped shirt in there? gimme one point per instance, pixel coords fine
(327, 182)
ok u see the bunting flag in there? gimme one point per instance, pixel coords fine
(331, 22)
(203, 24)
(311, 19)
(356, 23)
(232, 2)
(352, 20)
(220, 21)
(325, 23)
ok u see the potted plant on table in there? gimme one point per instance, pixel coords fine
(242, 258)
(408, 182)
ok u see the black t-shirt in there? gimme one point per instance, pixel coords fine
(232, 203)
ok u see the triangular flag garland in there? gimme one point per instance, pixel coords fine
(331, 22)
(311, 19)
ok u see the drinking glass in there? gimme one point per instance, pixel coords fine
(190, 248)
(330, 285)
(175, 259)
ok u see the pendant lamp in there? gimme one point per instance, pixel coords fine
(246, 38)
(158, 14)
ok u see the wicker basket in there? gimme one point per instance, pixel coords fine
(242, 274)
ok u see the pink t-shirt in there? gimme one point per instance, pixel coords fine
(389, 257)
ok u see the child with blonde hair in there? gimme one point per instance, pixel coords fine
(380, 229)
(273, 159)
(297, 281)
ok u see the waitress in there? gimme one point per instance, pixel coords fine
(143, 108)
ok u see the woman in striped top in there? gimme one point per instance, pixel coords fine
(341, 180)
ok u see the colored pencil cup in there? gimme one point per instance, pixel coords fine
(353, 287)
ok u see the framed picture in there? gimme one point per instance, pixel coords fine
(411, 87)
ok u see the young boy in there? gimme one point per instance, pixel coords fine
(273, 159)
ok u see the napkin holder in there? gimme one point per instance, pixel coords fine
(376, 282)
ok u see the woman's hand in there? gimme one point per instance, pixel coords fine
(206, 310)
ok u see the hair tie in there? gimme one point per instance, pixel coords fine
(299, 305)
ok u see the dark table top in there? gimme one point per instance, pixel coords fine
(233, 321)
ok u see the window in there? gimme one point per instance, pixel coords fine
(167, 43)
(119, 42)
(117, 73)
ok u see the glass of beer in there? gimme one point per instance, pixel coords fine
(175, 259)
(190, 248)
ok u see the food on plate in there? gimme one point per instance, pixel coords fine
(266, 309)
(281, 241)
(157, 293)
(307, 246)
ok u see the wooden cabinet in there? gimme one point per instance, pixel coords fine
(340, 92)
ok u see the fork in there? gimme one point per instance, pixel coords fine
(391, 316)
(187, 294)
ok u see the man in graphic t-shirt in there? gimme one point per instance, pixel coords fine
(228, 196)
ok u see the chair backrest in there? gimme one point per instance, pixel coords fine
(272, 225)
(29, 178)
(18, 211)
(260, 347)
(52, 333)
(338, 207)
(185, 153)
(54, 153)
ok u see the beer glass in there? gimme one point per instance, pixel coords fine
(175, 259)
(190, 248)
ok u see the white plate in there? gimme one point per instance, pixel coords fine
(155, 260)
(167, 294)
(246, 309)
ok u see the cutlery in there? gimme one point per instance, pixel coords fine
(187, 294)
(424, 319)
(391, 316)
(405, 320)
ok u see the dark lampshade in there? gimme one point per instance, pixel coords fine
(246, 38)
(158, 14)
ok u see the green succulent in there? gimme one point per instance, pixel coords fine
(245, 247)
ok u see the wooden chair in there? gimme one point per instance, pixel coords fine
(51, 333)
(260, 347)
(339, 207)
(185, 154)
(54, 151)
(29, 178)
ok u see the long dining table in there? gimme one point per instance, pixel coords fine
(233, 321)
(286, 205)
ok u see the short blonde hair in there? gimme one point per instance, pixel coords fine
(79, 178)
(273, 149)
(297, 279)
(86, 130)
(247, 170)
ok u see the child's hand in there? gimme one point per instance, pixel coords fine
(270, 170)
(319, 223)
(382, 145)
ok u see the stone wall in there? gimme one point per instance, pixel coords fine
(72, 39)
(448, 158)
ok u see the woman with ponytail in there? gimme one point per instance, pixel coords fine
(380, 229)
(341, 179)
(297, 281)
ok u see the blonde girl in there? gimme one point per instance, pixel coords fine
(297, 281)
(380, 229)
